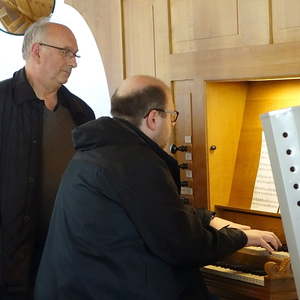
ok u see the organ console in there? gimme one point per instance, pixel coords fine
(224, 165)
(252, 273)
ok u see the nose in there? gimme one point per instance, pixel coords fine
(73, 62)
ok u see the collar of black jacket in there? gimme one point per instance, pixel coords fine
(169, 160)
(154, 146)
(23, 91)
(114, 131)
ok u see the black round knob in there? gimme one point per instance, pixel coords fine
(174, 148)
(182, 148)
(213, 147)
(183, 166)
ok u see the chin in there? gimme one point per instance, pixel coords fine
(63, 81)
(65, 77)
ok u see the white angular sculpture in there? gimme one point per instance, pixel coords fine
(282, 132)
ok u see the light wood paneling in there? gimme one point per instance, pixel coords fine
(139, 37)
(162, 39)
(192, 43)
(189, 101)
(262, 97)
(182, 91)
(286, 21)
(201, 24)
(252, 62)
(105, 20)
(199, 150)
(183, 96)
(225, 104)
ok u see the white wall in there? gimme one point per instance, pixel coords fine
(88, 80)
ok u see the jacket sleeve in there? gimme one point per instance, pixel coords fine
(179, 236)
(204, 215)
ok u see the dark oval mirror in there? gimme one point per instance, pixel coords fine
(17, 15)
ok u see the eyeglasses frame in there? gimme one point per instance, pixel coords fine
(64, 50)
(164, 111)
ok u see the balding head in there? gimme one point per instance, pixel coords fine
(40, 31)
(137, 83)
(136, 96)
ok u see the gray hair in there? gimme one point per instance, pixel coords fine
(34, 34)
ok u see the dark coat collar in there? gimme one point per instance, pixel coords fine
(107, 131)
(169, 160)
(23, 92)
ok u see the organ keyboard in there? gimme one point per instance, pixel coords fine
(234, 274)
(252, 273)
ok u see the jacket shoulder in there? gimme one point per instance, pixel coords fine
(5, 89)
(4, 84)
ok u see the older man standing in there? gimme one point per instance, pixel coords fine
(37, 114)
(119, 229)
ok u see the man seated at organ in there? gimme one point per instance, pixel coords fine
(119, 229)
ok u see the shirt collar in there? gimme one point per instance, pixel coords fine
(23, 91)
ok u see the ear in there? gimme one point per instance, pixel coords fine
(152, 121)
(35, 51)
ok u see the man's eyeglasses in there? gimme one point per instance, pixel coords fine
(173, 114)
(65, 51)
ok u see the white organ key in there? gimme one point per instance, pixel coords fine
(233, 274)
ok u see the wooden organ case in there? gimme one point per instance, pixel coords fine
(232, 144)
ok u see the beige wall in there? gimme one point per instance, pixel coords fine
(189, 43)
(105, 20)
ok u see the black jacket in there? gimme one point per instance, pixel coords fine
(119, 229)
(21, 121)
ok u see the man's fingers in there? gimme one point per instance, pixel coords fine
(272, 240)
(265, 239)
(266, 245)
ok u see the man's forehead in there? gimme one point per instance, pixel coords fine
(59, 32)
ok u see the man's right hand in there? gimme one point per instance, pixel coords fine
(265, 239)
